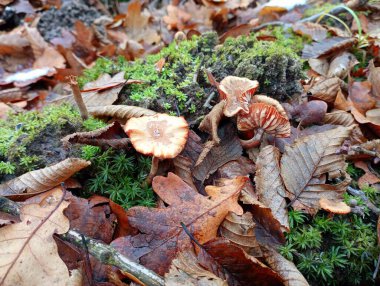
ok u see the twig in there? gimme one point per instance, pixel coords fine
(196, 73)
(377, 268)
(78, 97)
(208, 100)
(360, 150)
(361, 194)
(108, 255)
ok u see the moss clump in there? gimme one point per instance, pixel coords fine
(31, 140)
(182, 88)
(341, 250)
(118, 174)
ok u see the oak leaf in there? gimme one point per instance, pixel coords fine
(41, 180)
(269, 185)
(28, 252)
(161, 236)
(309, 158)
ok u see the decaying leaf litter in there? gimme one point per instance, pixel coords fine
(234, 169)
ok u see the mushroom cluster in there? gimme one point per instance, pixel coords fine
(257, 114)
(161, 136)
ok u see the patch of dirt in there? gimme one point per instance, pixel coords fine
(54, 21)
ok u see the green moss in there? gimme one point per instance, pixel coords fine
(339, 250)
(182, 87)
(118, 174)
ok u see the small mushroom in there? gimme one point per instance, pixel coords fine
(336, 207)
(161, 136)
(238, 92)
(263, 118)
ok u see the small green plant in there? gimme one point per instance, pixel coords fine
(119, 175)
(6, 168)
(324, 247)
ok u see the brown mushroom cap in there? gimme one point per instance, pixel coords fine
(334, 206)
(266, 117)
(161, 135)
(238, 92)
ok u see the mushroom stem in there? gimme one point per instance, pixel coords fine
(78, 97)
(153, 170)
(254, 141)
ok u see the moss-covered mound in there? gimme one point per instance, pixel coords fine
(182, 88)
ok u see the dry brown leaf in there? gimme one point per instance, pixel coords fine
(285, 268)
(229, 149)
(359, 94)
(341, 65)
(110, 136)
(185, 270)
(374, 78)
(28, 252)
(41, 180)
(211, 121)
(320, 66)
(313, 30)
(231, 263)
(178, 19)
(326, 89)
(162, 236)
(137, 24)
(237, 31)
(311, 112)
(339, 117)
(306, 160)
(327, 47)
(240, 230)
(269, 185)
(341, 102)
(50, 58)
(120, 112)
(36, 41)
(368, 178)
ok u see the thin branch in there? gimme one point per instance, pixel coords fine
(78, 97)
(361, 194)
(108, 255)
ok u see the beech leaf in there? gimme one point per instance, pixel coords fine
(162, 236)
(112, 135)
(339, 117)
(230, 262)
(120, 112)
(269, 185)
(41, 180)
(326, 89)
(327, 47)
(309, 158)
(28, 252)
(285, 268)
(185, 270)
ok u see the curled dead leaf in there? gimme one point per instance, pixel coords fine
(120, 112)
(327, 47)
(339, 117)
(325, 89)
(341, 65)
(41, 180)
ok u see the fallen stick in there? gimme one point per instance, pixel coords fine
(108, 255)
(361, 194)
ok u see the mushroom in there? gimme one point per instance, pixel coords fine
(336, 207)
(263, 118)
(161, 136)
(238, 92)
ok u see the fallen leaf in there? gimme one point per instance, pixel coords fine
(240, 30)
(341, 102)
(306, 160)
(50, 58)
(240, 230)
(91, 217)
(341, 65)
(185, 270)
(368, 178)
(320, 66)
(160, 64)
(112, 135)
(374, 78)
(26, 77)
(313, 30)
(327, 47)
(162, 236)
(230, 262)
(12, 94)
(229, 149)
(359, 93)
(41, 180)
(339, 117)
(269, 185)
(120, 112)
(178, 19)
(285, 268)
(325, 89)
(29, 253)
